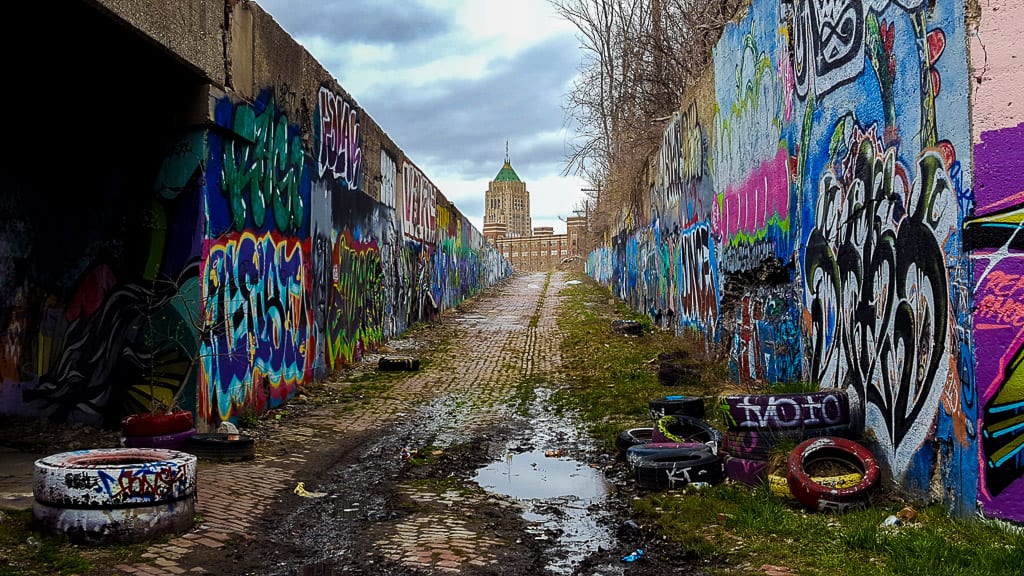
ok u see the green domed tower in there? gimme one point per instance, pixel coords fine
(508, 202)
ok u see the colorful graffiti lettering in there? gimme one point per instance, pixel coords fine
(258, 338)
(356, 312)
(388, 179)
(262, 170)
(420, 205)
(145, 483)
(338, 141)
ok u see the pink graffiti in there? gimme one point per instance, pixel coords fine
(339, 150)
(753, 205)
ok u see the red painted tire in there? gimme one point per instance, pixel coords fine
(822, 498)
(157, 424)
(168, 441)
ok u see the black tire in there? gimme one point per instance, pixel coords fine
(819, 497)
(679, 405)
(678, 469)
(676, 428)
(824, 408)
(628, 327)
(221, 447)
(635, 453)
(398, 363)
(632, 437)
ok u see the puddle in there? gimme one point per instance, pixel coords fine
(560, 496)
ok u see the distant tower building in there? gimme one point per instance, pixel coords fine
(508, 203)
(507, 226)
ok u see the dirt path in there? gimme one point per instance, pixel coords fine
(391, 476)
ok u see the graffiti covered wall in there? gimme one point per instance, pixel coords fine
(266, 237)
(996, 243)
(828, 177)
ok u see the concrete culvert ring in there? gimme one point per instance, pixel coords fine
(680, 405)
(840, 451)
(114, 478)
(222, 447)
(132, 525)
(633, 437)
(677, 428)
(747, 471)
(760, 444)
(678, 468)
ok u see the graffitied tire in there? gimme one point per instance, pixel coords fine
(629, 327)
(167, 442)
(677, 428)
(635, 453)
(398, 364)
(678, 468)
(824, 408)
(759, 444)
(157, 424)
(221, 447)
(779, 485)
(745, 471)
(681, 405)
(819, 497)
(113, 477)
(632, 437)
(131, 525)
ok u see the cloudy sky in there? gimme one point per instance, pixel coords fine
(451, 81)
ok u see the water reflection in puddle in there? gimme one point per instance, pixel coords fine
(558, 494)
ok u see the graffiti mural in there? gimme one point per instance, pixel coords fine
(339, 143)
(996, 237)
(766, 338)
(419, 205)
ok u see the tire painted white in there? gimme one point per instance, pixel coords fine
(94, 526)
(114, 478)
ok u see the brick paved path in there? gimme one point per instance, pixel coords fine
(501, 336)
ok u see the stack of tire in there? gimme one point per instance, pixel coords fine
(823, 428)
(756, 424)
(114, 495)
(164, 430)
(680, 449)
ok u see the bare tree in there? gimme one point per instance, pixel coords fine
(639, 58)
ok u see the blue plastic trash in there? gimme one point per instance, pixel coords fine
(633, 556)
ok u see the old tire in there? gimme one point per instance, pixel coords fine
(398, 363)
(221, 447)
(745, 471)
(679, 405)
(819, 497)
(759, 444)
(161, 424)
(166, 442)
(678, 469)
(635, 453)
(127, 525)
(114, 478)
(825, 408)
(632, 437)
(628, 327)
(779, 485)
(677, 428)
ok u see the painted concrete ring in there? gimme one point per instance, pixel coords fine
(114, 478)
(94, 526)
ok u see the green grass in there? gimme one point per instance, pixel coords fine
(735, 530)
